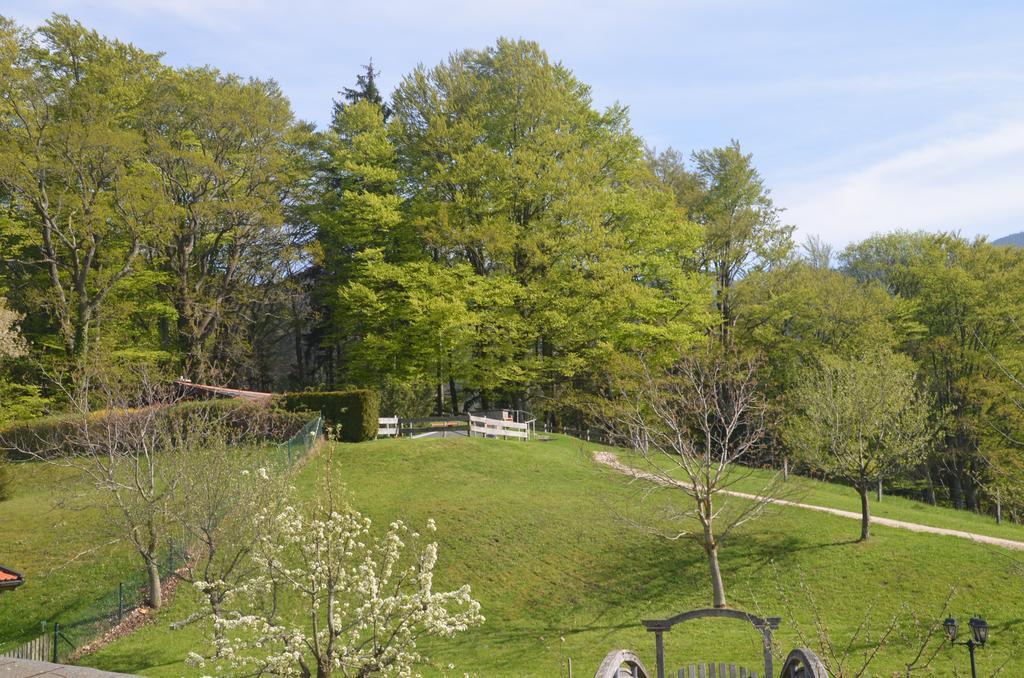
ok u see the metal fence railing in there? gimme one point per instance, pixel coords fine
(58, 640)
(594, 435)
(61, 638)
(299, 445)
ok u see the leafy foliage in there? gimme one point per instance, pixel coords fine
(356, 410)
(860, 420)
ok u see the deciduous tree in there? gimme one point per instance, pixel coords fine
(860, 420)
(365, 600)
(695, 426)
(72, 162)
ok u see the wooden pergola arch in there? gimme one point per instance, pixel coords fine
(659, 626)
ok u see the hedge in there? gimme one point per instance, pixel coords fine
(355, 410)
(58, 434)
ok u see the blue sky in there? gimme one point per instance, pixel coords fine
(862, 116)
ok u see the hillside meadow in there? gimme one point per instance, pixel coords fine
(554, 548)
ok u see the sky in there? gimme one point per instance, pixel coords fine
(862, 117)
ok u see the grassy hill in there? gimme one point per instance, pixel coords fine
(69, 560)
(550, 543)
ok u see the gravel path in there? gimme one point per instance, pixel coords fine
(611, 460)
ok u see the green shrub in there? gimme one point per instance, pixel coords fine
(60, 434)
(6, 478)
(355, 410)
(255, 421)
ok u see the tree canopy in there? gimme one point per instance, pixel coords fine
(484, 236)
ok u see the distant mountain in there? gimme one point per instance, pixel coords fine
(1015, 239)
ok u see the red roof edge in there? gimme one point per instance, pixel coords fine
(10, 579)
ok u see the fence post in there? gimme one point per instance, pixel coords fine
(56, 637)
(120, 600)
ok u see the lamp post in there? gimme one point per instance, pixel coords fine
(979, 635)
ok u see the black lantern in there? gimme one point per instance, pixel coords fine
(979, 630)
(979, 635)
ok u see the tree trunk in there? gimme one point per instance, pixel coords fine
(865, 513)
(155, 594)
(970, 493)
(452, 395)
(956, 490)
(717, 587)
(930, 492)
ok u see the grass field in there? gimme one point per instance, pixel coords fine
(548, 542)
(831, 495)
(73, 559)
(69, 560)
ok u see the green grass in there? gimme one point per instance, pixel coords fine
(548, 541)
(67, 557)
(831, 495)
(72, 557)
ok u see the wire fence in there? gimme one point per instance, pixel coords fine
(298, 446)
(61, 638)
(595, 435)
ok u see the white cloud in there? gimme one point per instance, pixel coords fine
(970, 182)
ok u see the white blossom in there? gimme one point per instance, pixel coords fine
(368, 598)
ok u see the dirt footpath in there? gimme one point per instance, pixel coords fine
(609, 459)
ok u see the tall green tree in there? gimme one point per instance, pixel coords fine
(357, 208)
(964, 295)
(73, 169)
(509, 169)
(742, 229)
(224, 149)
(799, 313)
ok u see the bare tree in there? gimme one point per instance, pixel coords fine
(817, 252)
(693, 427)
(853, 658)
(129, 458)
(134, 455)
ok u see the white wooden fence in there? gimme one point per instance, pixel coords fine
(506, 427)
(498, 428)
(387, 427)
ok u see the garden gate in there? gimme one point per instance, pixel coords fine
(659, 626)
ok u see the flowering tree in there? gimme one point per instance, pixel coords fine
(223, 489)
(329, 597)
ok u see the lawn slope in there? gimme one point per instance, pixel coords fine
(69, 558)
(550, 544)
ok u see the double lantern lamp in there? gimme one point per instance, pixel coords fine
(979, 635)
